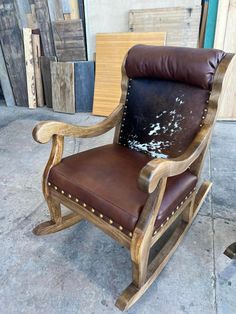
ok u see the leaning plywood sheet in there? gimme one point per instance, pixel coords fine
(181, 24)
(225, 39)
(69, 40)
(110, 52)
(13, 50)
(63, 95)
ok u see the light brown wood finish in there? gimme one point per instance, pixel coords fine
(63, 93)
(110, 52)
(29, 64)
(152, 180)
(37, 70)
(225, 39)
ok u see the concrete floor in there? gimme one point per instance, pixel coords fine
(81, 270)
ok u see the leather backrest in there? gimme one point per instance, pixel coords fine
(167, 97)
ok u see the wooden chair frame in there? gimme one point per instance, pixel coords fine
(152, 180)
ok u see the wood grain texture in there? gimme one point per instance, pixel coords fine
(5, 82)
(84, 86)
(46, 76)
(13, 51)
(110, 52)
(44, 24)
(29, 64)
(225, 39)
(143, 236)
(74, 9)
(203, 24)
(37, 70)
(69, 40)
(31, 18)
(181, 24)
(55, 10)
(63, 95)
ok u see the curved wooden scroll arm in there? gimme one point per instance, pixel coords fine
(44, 131)
(158, 168)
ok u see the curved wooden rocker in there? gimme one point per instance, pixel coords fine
(167, 93)
(231, 251)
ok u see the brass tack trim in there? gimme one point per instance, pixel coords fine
(167, 218)
(69, 195)
(49, 184)
(205, 109)
(55, 187)
(177, 207)
(77, 200)
(203, 117)
(101, 215)
(181, 203)
(62, 192)
(172, 213)
(130, 234)
(155, 232)
(111, 221)
(186, 197)
(92, 210)
(200, 125)
(84, 205)
(120, 227)
(162, 225)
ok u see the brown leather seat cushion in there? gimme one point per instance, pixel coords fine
(105, 178)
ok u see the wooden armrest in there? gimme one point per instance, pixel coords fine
(159, 168)
(44, 130)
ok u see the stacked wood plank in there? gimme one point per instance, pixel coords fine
(110, 52)
(13, 51)
(181, 24)
(34, 35)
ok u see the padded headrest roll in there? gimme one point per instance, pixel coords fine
(194, 66)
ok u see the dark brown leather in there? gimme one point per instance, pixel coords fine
(161, 118)
(188, 65)
(105, 178)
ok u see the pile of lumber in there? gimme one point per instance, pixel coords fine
(41, 38)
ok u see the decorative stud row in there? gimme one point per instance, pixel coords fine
(92, 210)
(125, 111)
(174, 211)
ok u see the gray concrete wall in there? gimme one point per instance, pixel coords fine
(107, 16)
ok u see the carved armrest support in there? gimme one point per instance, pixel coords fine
(44, 131)
(159, 168)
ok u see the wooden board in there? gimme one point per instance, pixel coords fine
(44, 24)
(55, 10)
(5, 82)
(181, 24)
(110, 52)
(225, 39)
(46, 76)
(37, 70)
(13, 51)
(69, 40)
(63, 95)
(84, 86)
(74, 9)
(203, 24)
(29, 64)
(211, 24)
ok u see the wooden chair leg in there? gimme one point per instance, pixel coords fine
(57, 222)
(133, 292)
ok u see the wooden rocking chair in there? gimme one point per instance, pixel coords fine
(146, 184)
